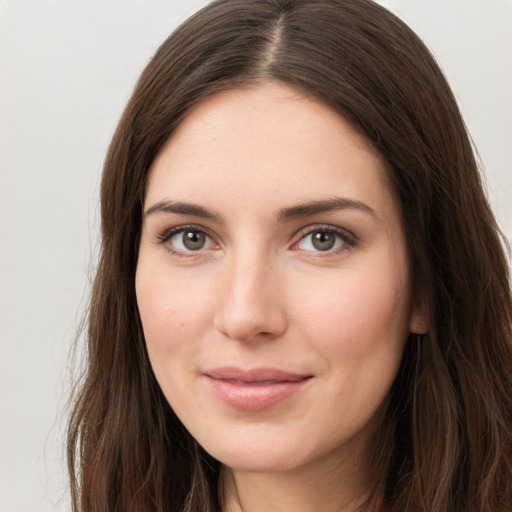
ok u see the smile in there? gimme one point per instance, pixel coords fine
(254, 390)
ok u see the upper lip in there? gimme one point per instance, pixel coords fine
(254, 375)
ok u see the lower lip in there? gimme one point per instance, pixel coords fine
(254, 397)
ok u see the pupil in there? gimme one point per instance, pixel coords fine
(323, 241)
(193, 240)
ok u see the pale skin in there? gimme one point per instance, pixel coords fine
(271, 239)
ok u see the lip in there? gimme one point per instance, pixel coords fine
(255, 389)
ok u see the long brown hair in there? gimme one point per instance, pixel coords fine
(449, 419)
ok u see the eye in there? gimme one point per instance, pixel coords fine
(324, 239)
(186, 240)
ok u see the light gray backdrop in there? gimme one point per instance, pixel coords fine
(66, 70)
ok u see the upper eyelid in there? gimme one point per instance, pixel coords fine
(323, 227)
(168, 233)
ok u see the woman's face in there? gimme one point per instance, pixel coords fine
(272, 280)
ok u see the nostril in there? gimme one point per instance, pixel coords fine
(250, 326)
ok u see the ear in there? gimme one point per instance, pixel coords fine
(419, 322)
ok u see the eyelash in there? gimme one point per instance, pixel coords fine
(163, 238)
(346, 237)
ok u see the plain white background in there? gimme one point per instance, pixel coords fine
(67, 68)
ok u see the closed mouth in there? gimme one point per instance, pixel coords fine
(256, 389)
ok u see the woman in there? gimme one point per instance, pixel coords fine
(302, 301)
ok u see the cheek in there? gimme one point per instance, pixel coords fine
(359, 326)
(174, 319)
(358, 314)
(173, 311)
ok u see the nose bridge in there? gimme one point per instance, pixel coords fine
(251, 303)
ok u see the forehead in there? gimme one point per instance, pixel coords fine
(268, 140)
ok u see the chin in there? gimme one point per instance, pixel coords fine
(256, 463)
(253, 456)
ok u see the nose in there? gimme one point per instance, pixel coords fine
(251, 304)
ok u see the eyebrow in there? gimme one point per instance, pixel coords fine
(314, 207)
(184, 209)
(285, 214)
